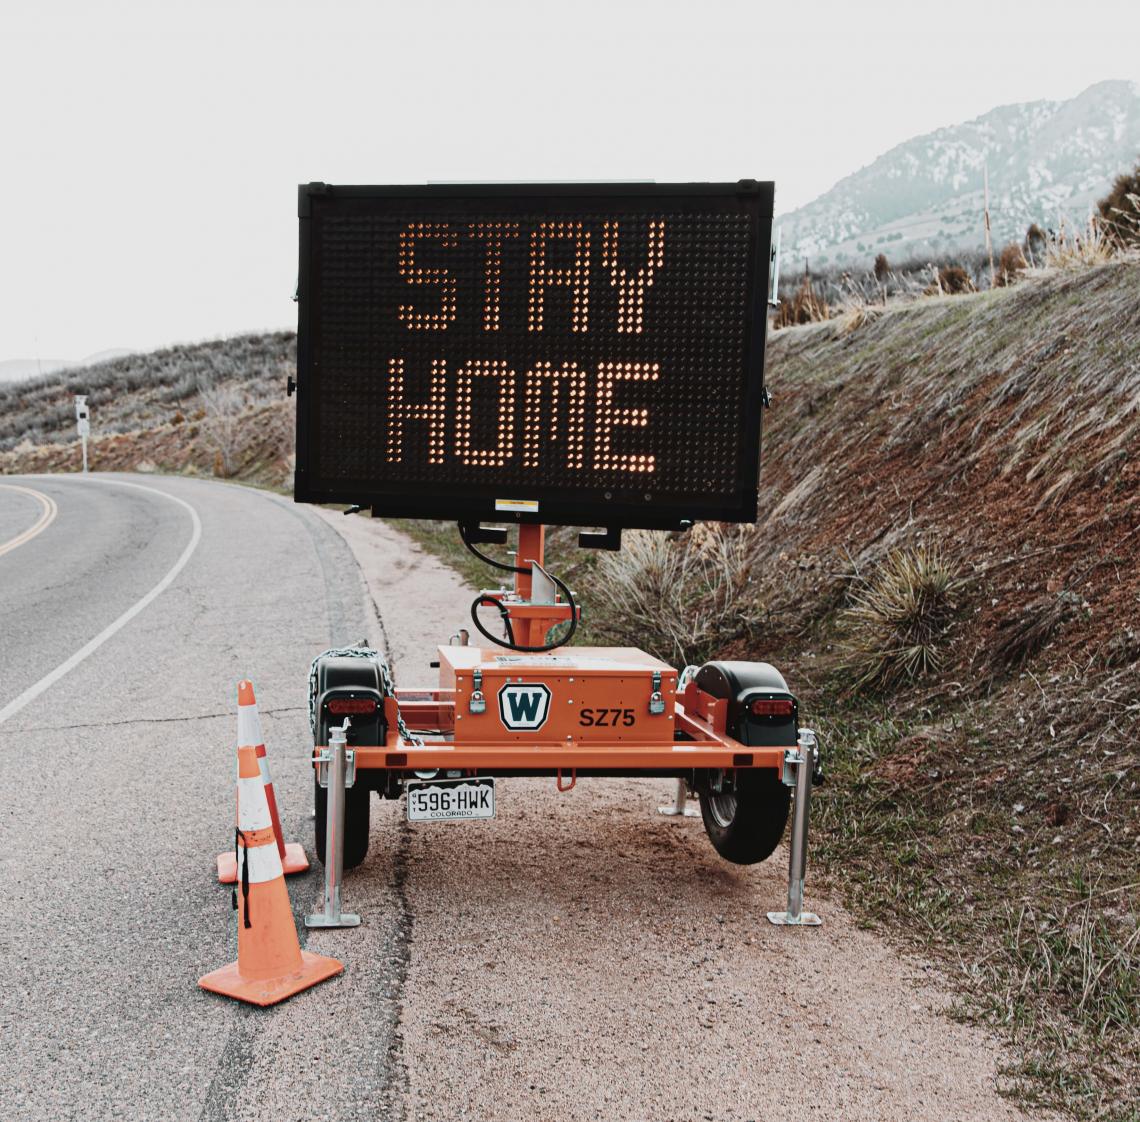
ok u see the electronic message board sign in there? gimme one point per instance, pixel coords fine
(587, 354)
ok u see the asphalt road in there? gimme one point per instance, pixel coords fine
(116, 785)
(577, 958)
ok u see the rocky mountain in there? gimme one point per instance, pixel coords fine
(1046, 160)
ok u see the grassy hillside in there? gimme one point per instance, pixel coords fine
(215, 408)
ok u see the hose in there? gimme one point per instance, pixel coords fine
(484, 598)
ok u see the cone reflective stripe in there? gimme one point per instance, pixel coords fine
(270, 965)
(249, 732)
(293, 859)
(257, 843)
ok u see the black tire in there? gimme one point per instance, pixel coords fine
(357, 803)
(746, 826)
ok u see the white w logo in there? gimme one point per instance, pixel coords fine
(524, 706)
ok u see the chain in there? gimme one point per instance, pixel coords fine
(387, 687)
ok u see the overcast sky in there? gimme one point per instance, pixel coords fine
(152, 150)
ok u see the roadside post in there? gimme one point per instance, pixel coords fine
(83, 423)
(799, 763)
(335, 773)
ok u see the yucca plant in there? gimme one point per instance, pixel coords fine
(898, 618)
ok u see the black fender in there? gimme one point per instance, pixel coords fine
(742, 683)
(352, 687)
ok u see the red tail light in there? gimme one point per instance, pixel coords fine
(351, 706)
(782, 707)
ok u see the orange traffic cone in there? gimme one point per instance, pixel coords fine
(270, 965)
(293, 859)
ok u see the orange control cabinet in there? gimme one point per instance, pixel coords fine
(578, 695)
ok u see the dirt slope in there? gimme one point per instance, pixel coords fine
(1004, 423)
(988, 813)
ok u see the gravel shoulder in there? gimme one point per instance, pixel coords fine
(581, 957)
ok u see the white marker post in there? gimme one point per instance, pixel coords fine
(83, 423)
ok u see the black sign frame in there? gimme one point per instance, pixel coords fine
(478, 502)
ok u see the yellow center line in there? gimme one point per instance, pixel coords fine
(46, 518)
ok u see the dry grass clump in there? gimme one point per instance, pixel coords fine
(898, 617)
(804, 307)
(684, 599)
(857, 314)
(1071, 247)
(861, 305)
(1022, 636)
(1121, 649)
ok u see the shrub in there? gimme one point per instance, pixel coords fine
(882, 268)
(222, 425)
(1011, 263)
(856, 314)
(1034, 247)
(1120, 208)
(952, 280)
(121, 390)
(897, 619)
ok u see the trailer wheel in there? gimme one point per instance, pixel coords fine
(356, 807)
(746, 824)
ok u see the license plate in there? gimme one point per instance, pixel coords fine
(450, 800)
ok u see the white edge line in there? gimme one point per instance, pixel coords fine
(32, 692)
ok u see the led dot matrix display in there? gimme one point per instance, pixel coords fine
(596, 349)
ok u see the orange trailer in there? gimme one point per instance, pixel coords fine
(578, 354)
(566, 712)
